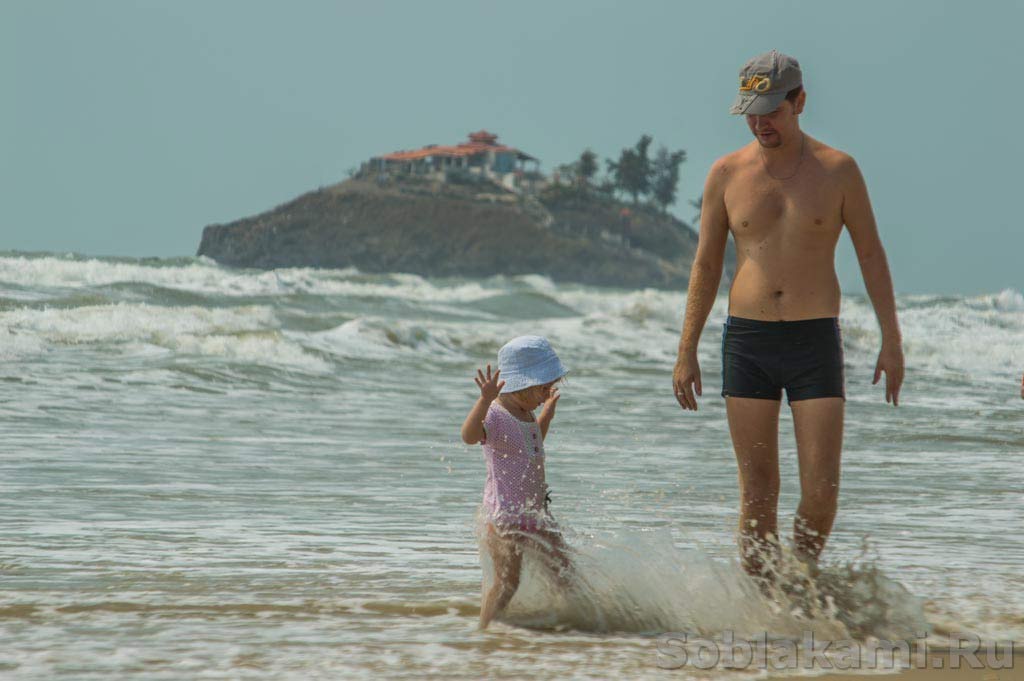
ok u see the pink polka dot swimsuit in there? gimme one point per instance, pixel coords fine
(515, 488)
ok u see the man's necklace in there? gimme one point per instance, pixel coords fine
(803, 144)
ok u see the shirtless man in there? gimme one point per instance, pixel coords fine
(785, 197)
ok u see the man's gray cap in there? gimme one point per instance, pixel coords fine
(764, 82)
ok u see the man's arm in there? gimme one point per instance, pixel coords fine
(705, 276)
(874, 267)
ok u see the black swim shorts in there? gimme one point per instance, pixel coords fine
(761, 358)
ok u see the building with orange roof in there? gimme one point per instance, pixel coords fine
(482, 156)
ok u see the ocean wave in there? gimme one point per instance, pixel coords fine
(204, 276)
(259, 349)
(244, 334)
(54, 272)
(134, 321)
(380, 339)
(619, 330)
(15, 344)
(1009, 300)
(977, 337)
(455, 319)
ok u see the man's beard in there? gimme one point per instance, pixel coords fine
(772, 143)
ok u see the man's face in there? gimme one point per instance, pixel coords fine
(772, 129)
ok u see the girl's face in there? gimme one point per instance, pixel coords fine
(534, 396)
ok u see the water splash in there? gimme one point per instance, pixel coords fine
(641, 582)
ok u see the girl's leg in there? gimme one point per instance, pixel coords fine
(507, 558)
(555, 554)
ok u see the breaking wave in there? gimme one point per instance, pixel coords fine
(310, 317)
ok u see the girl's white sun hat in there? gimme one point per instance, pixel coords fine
(527, 361)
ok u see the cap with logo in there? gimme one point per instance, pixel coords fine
(764, 82)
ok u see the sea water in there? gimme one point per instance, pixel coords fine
(221, 473)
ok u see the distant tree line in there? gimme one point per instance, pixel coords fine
(634, 174)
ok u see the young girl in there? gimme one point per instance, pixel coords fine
(515, 493)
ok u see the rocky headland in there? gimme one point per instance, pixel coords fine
(467, 228)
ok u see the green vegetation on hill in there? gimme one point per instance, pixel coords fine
(634, 174)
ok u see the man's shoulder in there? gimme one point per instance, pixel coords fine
(727, 167)
(733, 161)
(832, 159)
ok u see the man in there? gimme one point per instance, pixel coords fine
(785, 198)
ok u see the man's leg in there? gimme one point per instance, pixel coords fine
(754, 426)
(819, 442)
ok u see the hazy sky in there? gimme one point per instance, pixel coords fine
(128, 126)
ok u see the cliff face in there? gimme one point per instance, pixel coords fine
(461, 230)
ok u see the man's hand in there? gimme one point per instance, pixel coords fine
(890, 360)
(489, 386)
(686, 380)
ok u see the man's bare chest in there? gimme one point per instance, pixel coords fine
(763, 208)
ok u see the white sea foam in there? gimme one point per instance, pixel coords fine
(202, 276)
(261, 349)
(129, 321)
(1009, 300)
(247, 333)
(15, 344)
(375, 338)
(52, 272)
(976, 336)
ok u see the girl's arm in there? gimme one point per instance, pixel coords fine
(473, 426)
(547, 413)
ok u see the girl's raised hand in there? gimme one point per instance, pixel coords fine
(489, 386)
(550, 401)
